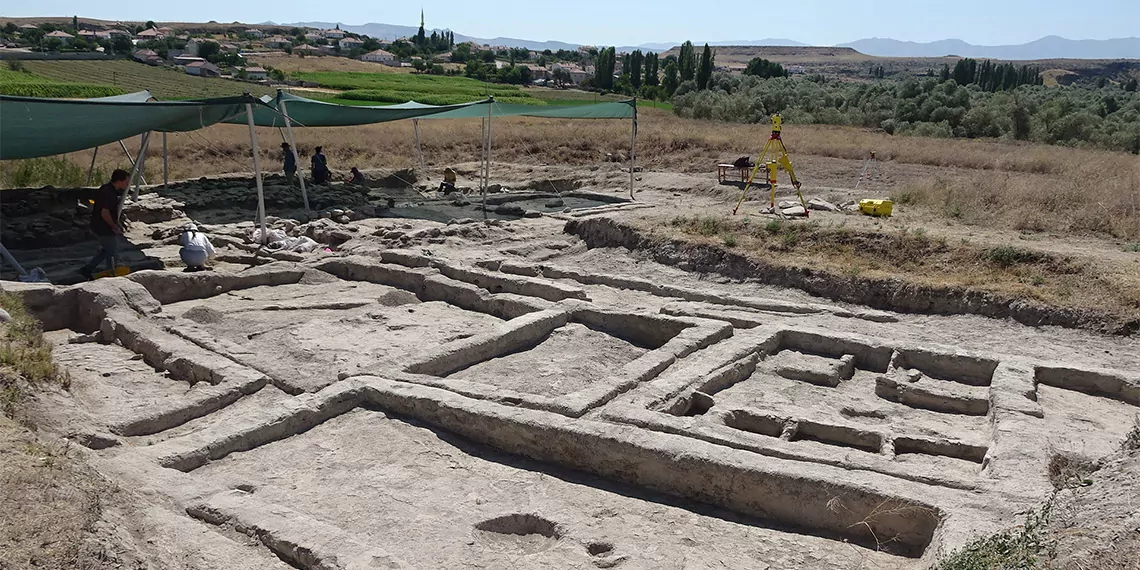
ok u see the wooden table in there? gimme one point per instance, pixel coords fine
(722, 172)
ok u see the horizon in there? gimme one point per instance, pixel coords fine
(665, 21)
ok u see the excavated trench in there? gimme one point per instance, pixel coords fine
(886, 294)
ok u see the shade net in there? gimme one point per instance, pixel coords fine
(31, 127)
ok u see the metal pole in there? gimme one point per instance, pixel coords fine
(129, 157)
(141, 162)
(91, 169)
(419, 147)
(490, 113)
(165, 169)
(483, 165)
(296, 158)
(257, 173)
(633, 149)
(136, 173)
(12, 261)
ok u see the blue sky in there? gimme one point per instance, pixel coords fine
(614, 22)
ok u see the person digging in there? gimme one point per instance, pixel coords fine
(105, 223)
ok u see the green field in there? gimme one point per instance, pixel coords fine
(577, 97)
(381, 88)
(129, 76)
(24, 84)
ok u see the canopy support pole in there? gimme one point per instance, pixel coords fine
(140, 165)
(257, 173)
(419, 147)
(136, 174)
(483, 165)
(91, 169)
(632, 149)
(129, 157)
(12, 261)
(487, 183)
(165, 167)
(296, 158)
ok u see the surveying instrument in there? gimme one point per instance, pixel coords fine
(868, 165)
(778, 159)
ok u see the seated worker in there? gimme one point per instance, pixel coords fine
(357, 178)
(196, 248)
(448, 184)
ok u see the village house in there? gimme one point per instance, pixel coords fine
(306, 50)
(256, 73)
(334, 34)
(350, 44)
(577, 74)
(147, 35)
(276, 42)
(538, 72)
(254, 32)
(380, 56)
(203, 69)
(147, 56)
(184, 59)
(314, 37)
(61, 36)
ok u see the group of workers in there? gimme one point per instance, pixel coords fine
(106, 224)
(319, 167)
(196, 248)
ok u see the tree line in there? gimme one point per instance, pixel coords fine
(1107, 117)
(990, 76)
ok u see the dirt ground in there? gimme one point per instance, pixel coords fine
(578, 388)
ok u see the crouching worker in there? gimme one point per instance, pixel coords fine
(196, 248)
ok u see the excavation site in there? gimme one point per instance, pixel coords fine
(547, 386)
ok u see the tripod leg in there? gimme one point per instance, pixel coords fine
(751, 177)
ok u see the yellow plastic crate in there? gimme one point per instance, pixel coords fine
(877, 207)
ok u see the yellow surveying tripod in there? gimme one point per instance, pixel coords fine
(774, 146)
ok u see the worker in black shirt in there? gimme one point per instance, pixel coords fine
(105, 222)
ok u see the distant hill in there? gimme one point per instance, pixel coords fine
(1050, 47)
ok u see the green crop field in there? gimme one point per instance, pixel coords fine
(400, 87)
(24, 84)
(130, 76)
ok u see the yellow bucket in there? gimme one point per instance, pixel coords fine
(877, 207)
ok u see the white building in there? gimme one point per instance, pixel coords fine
(61, 36)
(256, 73)
(334, 34)
(203, 69)
(379, 56)
(350, 43)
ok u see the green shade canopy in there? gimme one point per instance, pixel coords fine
(31, 127)
(312, 113)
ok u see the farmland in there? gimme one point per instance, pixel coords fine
(379, 88)
(23, 84)
(129, 76)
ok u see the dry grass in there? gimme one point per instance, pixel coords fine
(913, 256)
(1035, 188)
(25, 358)
(1067, 469)
(51, 504)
